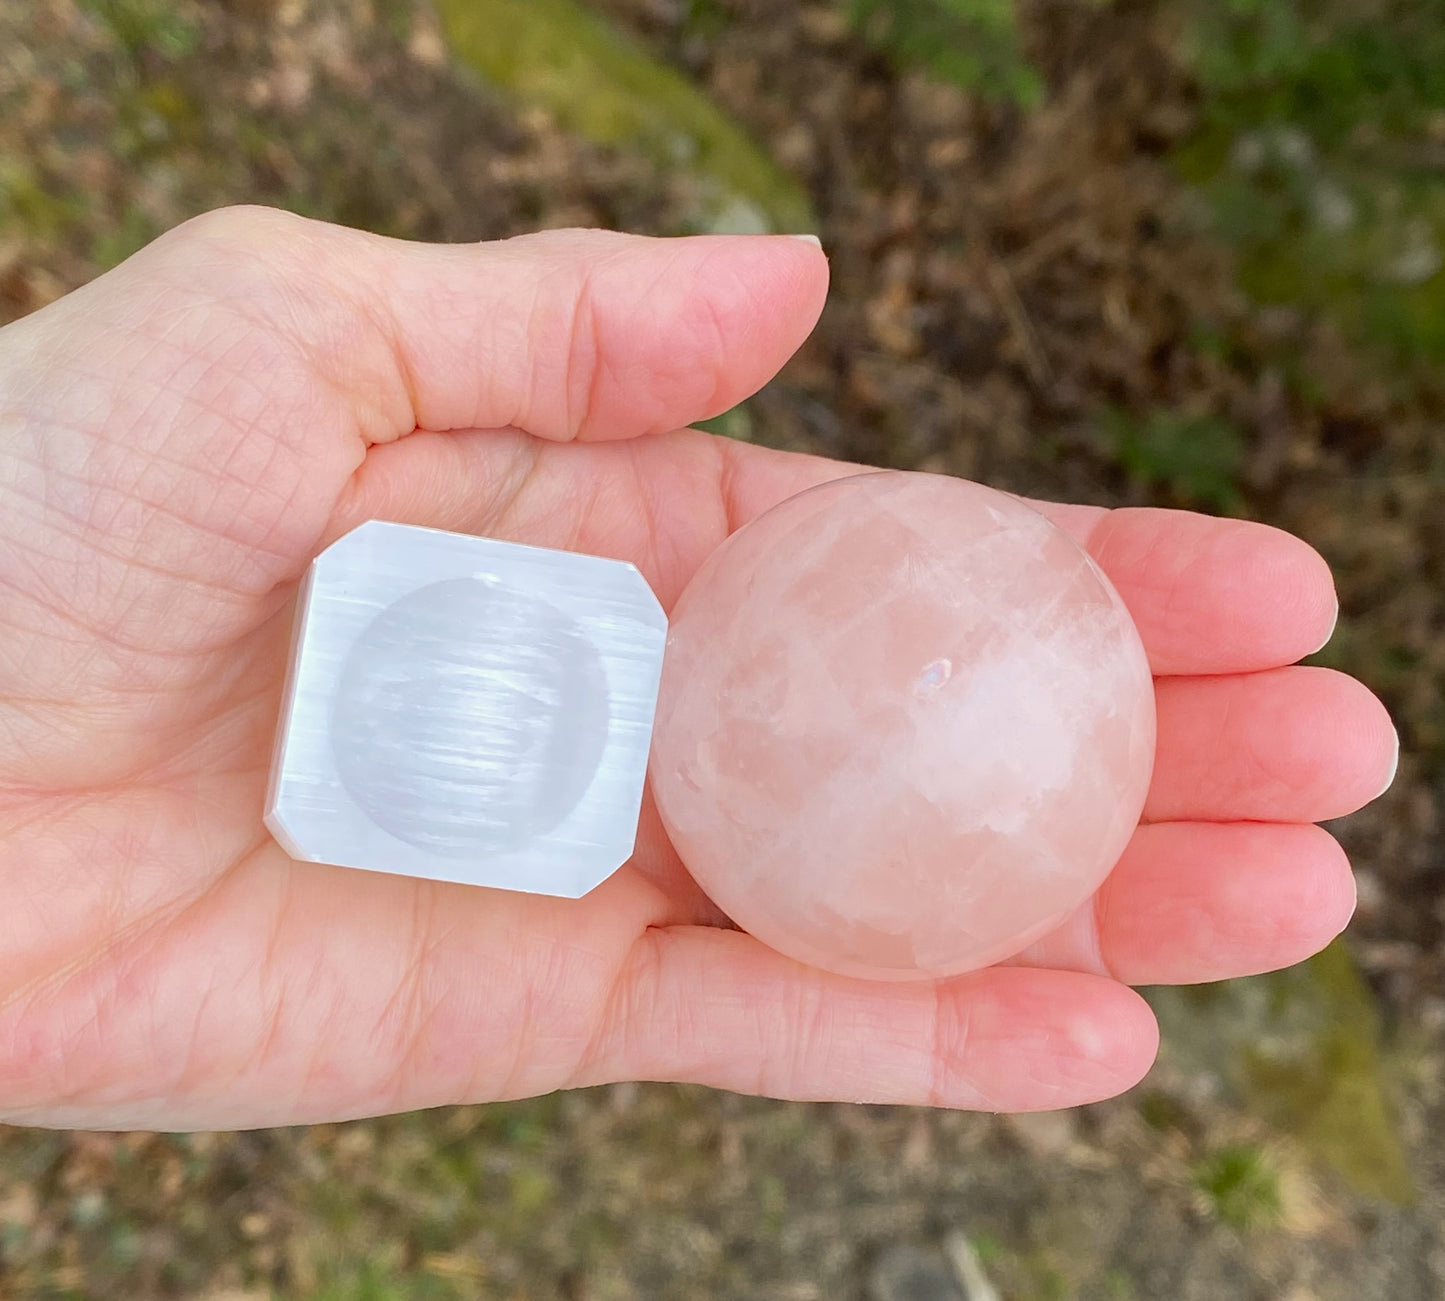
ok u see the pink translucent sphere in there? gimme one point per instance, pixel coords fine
(906, 726)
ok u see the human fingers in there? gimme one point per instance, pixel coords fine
(1200, 901)
(249, 1006)
(178, 433)
(1209, 595)
(716, 1007)
(585, 334)
(196, 412)
(278, 992)
(1294, 744)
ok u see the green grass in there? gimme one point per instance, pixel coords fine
(369, 1282)
(1119, 1286)
(28, 204)
(972, 43)
(1197, 460)
(1240, 1187)
(1319, 154)
(160, 27)
(737, 422)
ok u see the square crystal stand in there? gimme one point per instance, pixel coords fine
(467, 710)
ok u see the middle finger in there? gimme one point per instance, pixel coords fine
(1287, 745)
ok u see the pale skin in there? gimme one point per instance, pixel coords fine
(179, 439)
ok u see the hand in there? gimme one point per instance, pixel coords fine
(179, 439)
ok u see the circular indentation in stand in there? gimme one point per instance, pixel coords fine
(470, 718)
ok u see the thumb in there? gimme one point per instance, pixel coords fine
(570, 334)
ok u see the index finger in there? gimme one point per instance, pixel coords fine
(1209, 595)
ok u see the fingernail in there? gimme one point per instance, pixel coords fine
(1394, 766)
(810, 239)
(1334, 623)
(1354, 905)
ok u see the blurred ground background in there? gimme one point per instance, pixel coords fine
(1180, 252)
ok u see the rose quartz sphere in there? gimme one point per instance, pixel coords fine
(906, 726)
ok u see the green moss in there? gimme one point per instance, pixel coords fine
(571, 62)
(1300, 1049)
(1328, 1085)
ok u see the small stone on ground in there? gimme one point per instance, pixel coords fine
(906, 1273)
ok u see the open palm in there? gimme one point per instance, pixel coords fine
(179, 439)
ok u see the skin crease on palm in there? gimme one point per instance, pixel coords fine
(177, 441)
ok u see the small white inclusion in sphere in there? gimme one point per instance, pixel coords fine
(906, 726)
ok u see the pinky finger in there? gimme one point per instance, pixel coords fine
(708, 1006)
